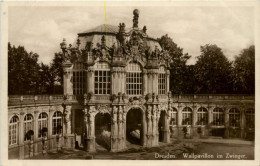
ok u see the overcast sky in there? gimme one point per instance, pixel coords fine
(41, 29)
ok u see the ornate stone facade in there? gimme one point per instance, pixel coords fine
(111, 72)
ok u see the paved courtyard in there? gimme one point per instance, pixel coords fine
(177, 150)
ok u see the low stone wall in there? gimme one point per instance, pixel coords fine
(28, 150)
(212, 131)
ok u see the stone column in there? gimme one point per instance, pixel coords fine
(124, 82)
(144, 125)
(158, 112)
(167, 81)
(179, 116)
(67, 120)
(67, 126)
(21, 135)
(155, 126)
(114, 130)
(194, 116)
(166, 127)
(50, 123)
(210, 115)
(120, 129)
(113, 81)
(90, 80)
(155, 83)
(149, 87)
(35, 136)
(242, 122)
(149, 126)
(226, 115)
(179, 119)
(68, 86)
(145, 86)
(124, 127)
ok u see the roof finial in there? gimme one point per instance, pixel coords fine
(135, 20)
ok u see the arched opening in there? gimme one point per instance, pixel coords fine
(162, 127)
(80, 129)
(134, 126)
(103, 131)
(218, 126)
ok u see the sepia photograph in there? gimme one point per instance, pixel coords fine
(130, 81)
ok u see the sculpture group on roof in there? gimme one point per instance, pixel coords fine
(132, 45)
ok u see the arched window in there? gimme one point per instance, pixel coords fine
(13, 130)
(78, 79)
(162, 80)
(134, 79)
(102, 78)
(173, 117)
(250, 118)
(202, 116)
(186, 116)
(42, 123)
(28, 124)
(234, 117)
(218, 117)
(57, 123)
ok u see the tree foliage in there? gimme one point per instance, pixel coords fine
(244, 71)
(180, 73)
(212, 71)
(22, 71)
(27, 76)
(56, 68)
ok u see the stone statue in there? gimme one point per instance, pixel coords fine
(135, 20)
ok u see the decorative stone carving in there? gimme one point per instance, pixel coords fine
(103, 108)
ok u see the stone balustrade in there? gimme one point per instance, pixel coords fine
(17, 100)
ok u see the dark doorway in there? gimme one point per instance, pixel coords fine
(79, 129)
(162, 127)
(103, 130)
(218, 132)
(134, 129)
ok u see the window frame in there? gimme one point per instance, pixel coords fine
(41, 119)
(28, 125)
(187, 113)
(250, 116)
(234, 114)
(102, 79)
(202, 113)
(55, 122)
(13, 130)
(78, 79)
(173, 115)
(134, 79)
(218, 113)
(162, 81)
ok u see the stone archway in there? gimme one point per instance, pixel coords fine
(162, 127)
(134, 126)
(103, 130)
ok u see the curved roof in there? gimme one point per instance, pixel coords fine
(104, 28)
(94, 35)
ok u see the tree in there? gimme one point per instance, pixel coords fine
(26, 75)
(180, 80)
(57, 72)
(22, 71)
(46, 80)
(244, 71)
(212, 71)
